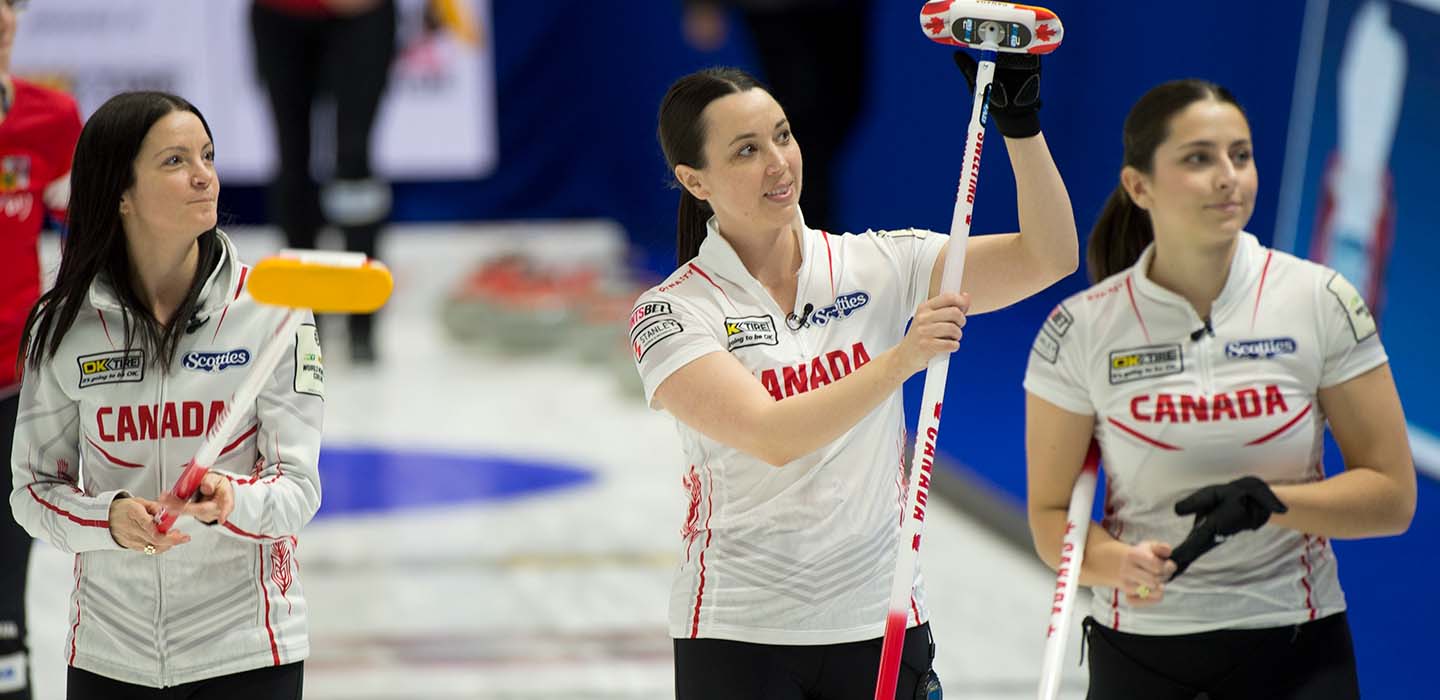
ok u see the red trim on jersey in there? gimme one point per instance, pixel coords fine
(253, 429)
(75, 628)
(238, 288)
(830, 259)
(106, 326)
(1305, 580)
(231, 527)
(1261, 290)
(701, 272)
(113, 459)
(1130, 289)
(1138, 434)
(1115, 605)
(1266, 437)
(220, 323)
(915, 608)
(274, 650)
(68, 515)
(700, 594)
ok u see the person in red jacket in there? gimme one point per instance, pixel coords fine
(341, 49)
(38, 129)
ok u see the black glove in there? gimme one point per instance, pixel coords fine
(1220, 511)
(1015, 93)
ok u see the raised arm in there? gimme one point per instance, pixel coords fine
(1002, 269)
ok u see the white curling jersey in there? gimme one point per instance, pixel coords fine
(804, 553)
(1176, 410)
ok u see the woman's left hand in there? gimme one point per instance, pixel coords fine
(216, 500)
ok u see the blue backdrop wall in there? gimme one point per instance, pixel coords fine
(579, 83)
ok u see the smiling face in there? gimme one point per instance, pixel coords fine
(1203, 180)
(176, 190)
(752, 173)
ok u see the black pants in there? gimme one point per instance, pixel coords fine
(814, 59)
(719, 669)
(270, 683)
(299, 59)
(14, 566)
(1311, 661)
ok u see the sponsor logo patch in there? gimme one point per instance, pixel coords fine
(1259, 349)
(746, 331)
(845, 305)
(216, 361)
(1362, 324)
(309, 364)
(1046, 346)
(1060, 321)
(1145, 362)
(651, 333)
(15, 173)
(648, 310)
(111, 367)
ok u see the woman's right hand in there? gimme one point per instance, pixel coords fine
(132, 524)
(936, 329)
(1143, 572)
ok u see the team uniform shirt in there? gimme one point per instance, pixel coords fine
(97, 420)
(37, 141)
(1177, 408)
(804, 553)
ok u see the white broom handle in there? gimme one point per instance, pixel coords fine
(928, 428)
(1067, 578)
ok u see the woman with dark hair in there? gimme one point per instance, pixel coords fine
(1206, 367)
(781, 350)
(128, 361)
(38, 128)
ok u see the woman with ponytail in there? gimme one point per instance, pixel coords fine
(781, 350)
(1206, 367)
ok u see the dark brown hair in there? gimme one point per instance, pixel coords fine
(682, 138)
(1123, 229)
(103, 169)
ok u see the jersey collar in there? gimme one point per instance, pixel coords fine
(213, 295)
(718, 257)
(1244, 269)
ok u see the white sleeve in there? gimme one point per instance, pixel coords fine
(44, 468)
(1056, 371)
(915, 250)
(1351, 339)
(284, 494)
(666, 335)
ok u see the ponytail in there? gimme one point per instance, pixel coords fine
(682, 137)
(690, 226)
(1120, 235)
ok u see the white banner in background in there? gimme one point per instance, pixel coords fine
(437, 120)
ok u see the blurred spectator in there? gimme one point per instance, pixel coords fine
(38, 128)
(341, 49)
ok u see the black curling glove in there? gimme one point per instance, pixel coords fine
(1014, 94)
(1220, 511)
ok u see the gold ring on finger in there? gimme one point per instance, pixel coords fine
(150, 550)
(1143, 591)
